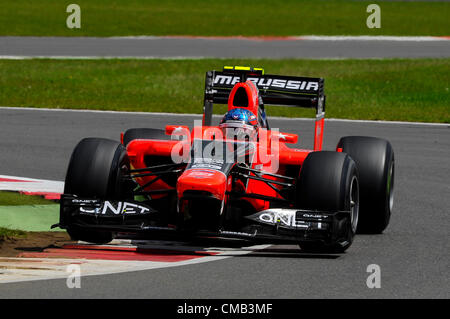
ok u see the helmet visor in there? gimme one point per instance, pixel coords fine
(237, 130)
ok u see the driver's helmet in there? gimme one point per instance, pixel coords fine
(239, 123)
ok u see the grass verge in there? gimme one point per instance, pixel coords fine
(397, 89)
(16, 199)
(224, 18)
(6, 233)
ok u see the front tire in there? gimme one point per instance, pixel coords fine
(94, 171)
(329, 181)
(374, 158)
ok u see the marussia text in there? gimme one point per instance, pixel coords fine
(269, 83)
(227, 308)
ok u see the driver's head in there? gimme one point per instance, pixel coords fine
(240, 124)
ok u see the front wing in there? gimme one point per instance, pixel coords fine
(277, 225)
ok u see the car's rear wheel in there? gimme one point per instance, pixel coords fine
(144, 134)
(328, 181)
(94, 171)
(374, 158)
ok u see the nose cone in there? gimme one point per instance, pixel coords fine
(202, 180)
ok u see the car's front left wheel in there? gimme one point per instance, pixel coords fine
(329, 181)
(374, 158)
(94, 171)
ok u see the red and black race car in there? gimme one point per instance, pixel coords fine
(239, 179)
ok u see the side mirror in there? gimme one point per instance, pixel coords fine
(177, 129)
(285, 137)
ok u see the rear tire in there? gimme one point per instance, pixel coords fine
(329, 181)
(94, 171)
(144, 134)
(374, 158)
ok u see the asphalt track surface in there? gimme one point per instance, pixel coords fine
(179, 47)
(412, 253)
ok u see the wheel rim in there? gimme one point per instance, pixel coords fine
(354, 203)
(390, 186)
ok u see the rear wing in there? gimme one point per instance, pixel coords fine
(274, 89)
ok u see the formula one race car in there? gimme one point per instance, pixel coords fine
(239, 179)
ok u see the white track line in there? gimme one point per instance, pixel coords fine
(374, 38)
(177, 58)
(24, 184)
(292, 38)
(94, 57)
(217, 116)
